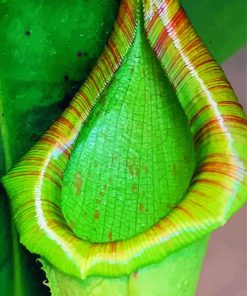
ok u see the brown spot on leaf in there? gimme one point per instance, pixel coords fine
(135, 275)
(171, 206)
(133, 169)
(98, 201)
(174, 170)
(113, 247)
(158, 226)
(141, 208)
(145, 169)
(96, 214)
(134, 188)
(110, 236)
(72, 225)
(78, 183)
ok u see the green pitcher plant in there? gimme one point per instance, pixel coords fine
(148, 158)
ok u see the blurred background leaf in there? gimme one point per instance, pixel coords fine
(47, 50)
(220, 23)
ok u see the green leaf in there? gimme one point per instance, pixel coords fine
(221, 24)
(47, 50)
